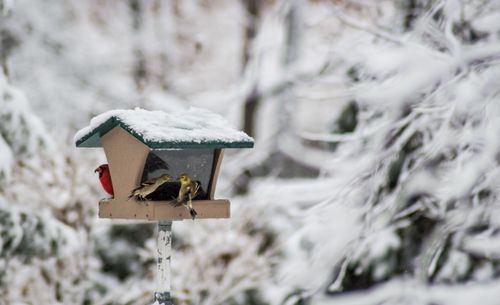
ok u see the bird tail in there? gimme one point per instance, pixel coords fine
(134, 192)
(193, 213)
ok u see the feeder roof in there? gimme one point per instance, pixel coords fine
(194, 128)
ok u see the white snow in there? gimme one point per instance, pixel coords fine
(194, 125)
(6, 6)
(6, 160)
(411, 292)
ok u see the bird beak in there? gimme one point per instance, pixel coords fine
(96, 170)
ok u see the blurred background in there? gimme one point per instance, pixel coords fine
(374, 178)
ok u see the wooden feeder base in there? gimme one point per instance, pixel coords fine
(162, 210)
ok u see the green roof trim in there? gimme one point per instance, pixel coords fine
(93, 139)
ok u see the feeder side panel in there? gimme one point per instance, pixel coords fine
(126, 157)
(218, 154)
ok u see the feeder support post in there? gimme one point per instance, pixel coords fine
(164, 253)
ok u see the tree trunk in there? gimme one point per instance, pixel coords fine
(252, 8)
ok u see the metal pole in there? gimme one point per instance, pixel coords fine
(164, 247)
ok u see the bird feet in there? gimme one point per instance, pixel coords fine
(141, 200)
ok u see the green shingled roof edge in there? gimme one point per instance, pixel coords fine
(93, 139)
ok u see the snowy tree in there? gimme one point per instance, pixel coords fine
(412, 173)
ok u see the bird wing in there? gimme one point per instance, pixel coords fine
(196, 187)
(140, 187)
(149, 182)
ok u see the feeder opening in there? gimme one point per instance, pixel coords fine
(197, 163)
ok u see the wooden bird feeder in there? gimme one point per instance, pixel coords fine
(141, 145)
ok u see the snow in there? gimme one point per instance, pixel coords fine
(194, 125)
(487, 246)
(410, 292)
(6, 161)
(6, 6)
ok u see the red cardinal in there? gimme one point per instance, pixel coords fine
(105, 178)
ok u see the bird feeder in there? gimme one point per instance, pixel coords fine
(141, 145)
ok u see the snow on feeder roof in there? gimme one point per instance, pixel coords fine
(194, 128)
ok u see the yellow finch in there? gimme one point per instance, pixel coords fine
(188, 190)
(149, 187)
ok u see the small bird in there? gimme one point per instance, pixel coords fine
(188, 189)
(148, 187)
(105, 178)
